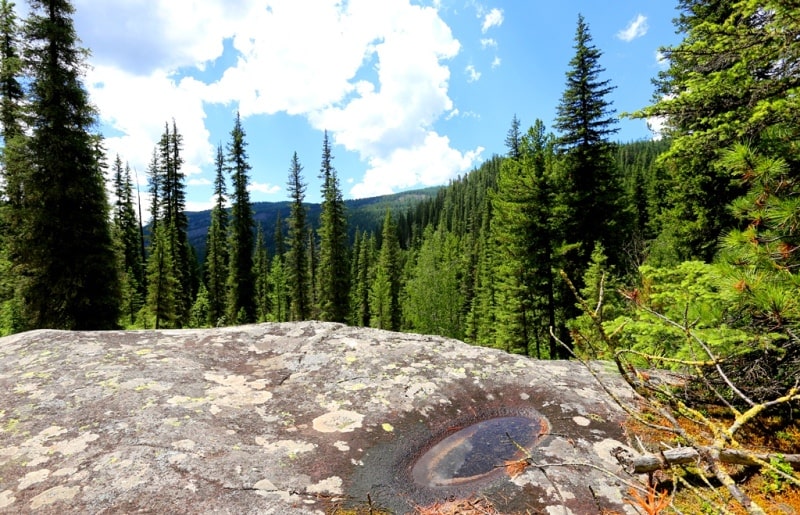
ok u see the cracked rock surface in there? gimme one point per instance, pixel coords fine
(303, 417)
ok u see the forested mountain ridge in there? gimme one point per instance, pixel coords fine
(365, 214)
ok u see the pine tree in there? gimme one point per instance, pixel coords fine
(173, 215)
(12, 166)
(11, 99)
(592, 188)
(362, 275)
(63, 249)
(241, 283)
(731, 78)
(128, 237)
(297, 259)
(312, 261)
(154, 184)
(216, 262)
(384, 295)
(525, 236)
(261, 272)
(334, 269)
(433, 299)
(278, 279)
(163, 287)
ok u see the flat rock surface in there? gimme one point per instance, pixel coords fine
(302, 417)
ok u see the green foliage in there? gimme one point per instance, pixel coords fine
(775, 474)
(525, 234)
(200, 308)
(731, 78)
(689, 294)
(163, 288)
(241, 283)
(384, 295)
(62, 248)
(297, 256)
(261, 273)
(216, 262)
(433, 299)
(333, 271)
(601, 292)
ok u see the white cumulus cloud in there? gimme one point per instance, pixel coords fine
(263, 187)
(494, 18)
(636, 28)
(473, 75)
(378, 81)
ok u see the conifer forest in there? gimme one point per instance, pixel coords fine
(675, 252)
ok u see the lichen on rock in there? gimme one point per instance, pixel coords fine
(283, 418)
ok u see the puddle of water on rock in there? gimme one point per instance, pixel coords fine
(475, 452)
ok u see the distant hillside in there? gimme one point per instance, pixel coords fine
(364, 214)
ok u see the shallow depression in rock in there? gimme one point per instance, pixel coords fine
(476, 451)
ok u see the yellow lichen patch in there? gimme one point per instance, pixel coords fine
(55, 494)
(172, 421)
(11, 425)
(23, 388)
(387, 427)
(143, 352)
(342, 421)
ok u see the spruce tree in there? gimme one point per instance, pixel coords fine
(173, 215)
(525, 236)
(63, 248)
(11, 99)
(334, 269)
(591, 185)
(128, 237)
(384, 295)
(261, 272)
(216, 262)
(297, 258)
(12, 165)
(154, 187)
(163, 287)
(732, 78)
(241, 283)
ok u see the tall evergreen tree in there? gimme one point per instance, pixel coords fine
(731, 78)
(216, 261)
(525, 235)
(241, 283)
(162, 285)
(433, 298)
(297, 259)
(591, 184)
(384, 296)
(173, 209)
(63, 250)
(155, 187)
(11, 99)
(334, 268)
(362, 280)
(280, 299)
(128, 236)
(261, 272)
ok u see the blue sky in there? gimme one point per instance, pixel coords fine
(412, 93)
